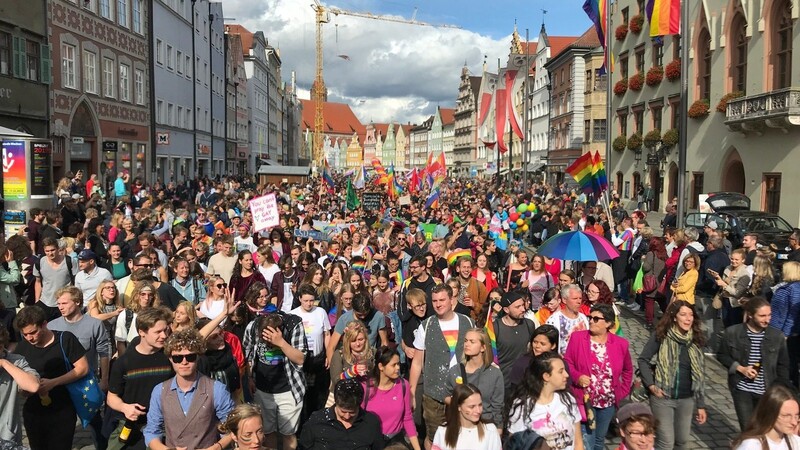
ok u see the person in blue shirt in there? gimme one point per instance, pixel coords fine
(185, 410)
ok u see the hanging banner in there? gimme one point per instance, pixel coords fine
(15, 182)
(265, 212)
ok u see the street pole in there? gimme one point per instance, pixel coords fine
(211, 85)
(609, 105)
(684, 120)
(194, 99)
(526, 142)
(499, 138)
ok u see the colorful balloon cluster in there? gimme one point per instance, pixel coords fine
(520, 218)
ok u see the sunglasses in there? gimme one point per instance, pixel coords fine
(222, 285)
(177, 359)
(596, 319)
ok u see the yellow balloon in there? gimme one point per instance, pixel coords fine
(525, 227)
(531, 207)
(520, 222)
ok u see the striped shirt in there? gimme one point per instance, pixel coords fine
(757, 385)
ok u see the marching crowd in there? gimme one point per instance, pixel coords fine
(403, 327)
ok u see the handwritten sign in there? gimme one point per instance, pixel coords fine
(371, 201)
(265, 212)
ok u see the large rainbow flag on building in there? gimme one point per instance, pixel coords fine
(664, 17)
(597, 10)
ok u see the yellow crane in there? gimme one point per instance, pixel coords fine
(323, 14)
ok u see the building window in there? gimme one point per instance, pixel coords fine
(638, 121)
(675, 113)
(697, 188)
(170, 114)
(5, 53)
(640, 4)
(105, 8)
(658, 55)
(676, 47)
(623, 124)
(623, 66)
(599, 131)
(179, 62)
(89, 72)
(640, 60)
(656, 112)
(704, 69)
(32, 59)
(782, 45)
(739, 54)
(188, 65)
(170, 57)
(772, 192)
(137, 16)
(108, 77)
(625, 15)
(124, 82)
(138, 84)
(68, 66)
(159, 51)
(122, 12)
(587, 130)
(159, 114)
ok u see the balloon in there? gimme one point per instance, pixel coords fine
(520, 222)
(513, 225)
(525, 227)
(513, 216)
(522, 207)
(531, 207)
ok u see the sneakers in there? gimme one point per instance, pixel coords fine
(634, 307)
(621, 302)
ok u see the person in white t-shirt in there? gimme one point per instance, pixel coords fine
(464, 417)
(267, 265)
(773, 422)
(244, 241)
(318, 333)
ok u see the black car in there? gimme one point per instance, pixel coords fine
(731, 211)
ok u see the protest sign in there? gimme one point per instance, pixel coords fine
(265, 212)
(371, 201)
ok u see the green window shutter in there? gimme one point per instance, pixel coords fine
(18, 48)
(46, 64)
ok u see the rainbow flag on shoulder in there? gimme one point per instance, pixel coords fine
(457, 253)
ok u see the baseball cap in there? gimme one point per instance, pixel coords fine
(633, 409)
(511, 297)
(77, 196)
(86, 254)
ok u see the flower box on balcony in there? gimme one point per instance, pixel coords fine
(621, 87)
(635, 142)
(621, 32)
(636, 24)
(654, 76)
(722, 106)
(673, 70)
(652, 138)
(670, 138)
(699, 109)
(636, 82)
(619, 143)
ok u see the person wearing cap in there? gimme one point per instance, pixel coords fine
(512, 333)
(637, 427)
(243, 241)
(90, 275)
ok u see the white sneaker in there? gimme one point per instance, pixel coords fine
(634, 307)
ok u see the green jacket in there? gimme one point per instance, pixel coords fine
(8, 279)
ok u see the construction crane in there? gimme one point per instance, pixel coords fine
(324, 16)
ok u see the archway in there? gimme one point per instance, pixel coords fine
(82, 151)
(672, 191)
(733, 179)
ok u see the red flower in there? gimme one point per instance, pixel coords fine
(699, 109)
(621, 32)
(673, 70)
(722, 106)
(654, 76)
(636, 24)
(636, 82)
(621, 87)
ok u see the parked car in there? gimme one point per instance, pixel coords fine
(731, 211)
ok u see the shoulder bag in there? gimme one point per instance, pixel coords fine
(85, 393)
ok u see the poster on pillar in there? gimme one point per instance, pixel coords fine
(265, 212)
(15, 181)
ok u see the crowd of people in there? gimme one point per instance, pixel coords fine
(403, 327)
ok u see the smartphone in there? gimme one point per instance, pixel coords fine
(712, 273)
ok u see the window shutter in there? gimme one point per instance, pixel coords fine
(20, 63)
(46, 65)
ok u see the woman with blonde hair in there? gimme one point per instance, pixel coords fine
(683, 286)
(354, 359)
(245, 425)
(106, 305)
(785, 311)
(185, 316)
(464, 427)
(214, 304)
(144, 296)
(115, 225)
(733, 284)
(267, 265)
(763, 275)
(476, 368)
(318, 278)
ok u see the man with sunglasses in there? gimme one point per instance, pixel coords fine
(186, 409)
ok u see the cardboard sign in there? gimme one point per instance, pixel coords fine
(371, 201)
(265, 212)
(311, 234)
(404, 200)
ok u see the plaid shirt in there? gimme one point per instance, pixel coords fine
(256, 347)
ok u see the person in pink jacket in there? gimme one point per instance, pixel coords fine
(600, 373)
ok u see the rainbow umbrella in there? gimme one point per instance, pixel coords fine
(578, 246)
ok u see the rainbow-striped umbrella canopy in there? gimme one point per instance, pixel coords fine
(578, 246)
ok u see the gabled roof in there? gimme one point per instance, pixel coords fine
(559, 43)
(448, 115)
(475, 85)
(338, 119)
(244, 34)
(587, 41)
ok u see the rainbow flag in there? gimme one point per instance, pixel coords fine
(359, 266)
(369, 252)
(433, 199)
(457, 253)
(383, 177)
(581, 171)
(664, 17)
(599, 178)
(326, 176)
(393, 186)
(596, 10)
(489, 328)
(399, 278)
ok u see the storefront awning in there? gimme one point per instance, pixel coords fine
(534, 167)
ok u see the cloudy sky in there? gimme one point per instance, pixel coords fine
(400, 72)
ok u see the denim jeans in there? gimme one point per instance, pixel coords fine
(674, 421)
(596, 439)
(744, 403)
(709, 317)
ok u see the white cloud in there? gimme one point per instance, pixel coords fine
(395, 71)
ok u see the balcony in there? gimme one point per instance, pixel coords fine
(776, 109)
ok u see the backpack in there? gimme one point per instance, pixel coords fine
(38, 265)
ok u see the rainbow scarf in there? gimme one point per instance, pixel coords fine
(489, 328)
(457, 253)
